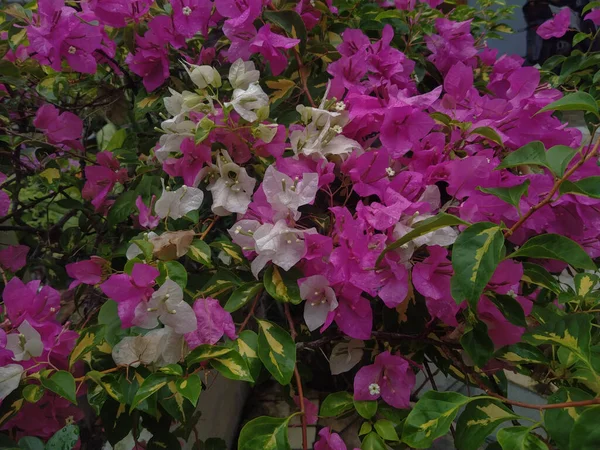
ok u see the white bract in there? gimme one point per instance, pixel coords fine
(10, 376)
(231, 187)
(320, 143)
(242, 233)
(345, 355)
(134, 250)
(25, 344)
(286, 195)
(278, 243)
(203, 76)
(242, 74)
(247, 101)
(320, 300)
(161, 347)
(176, 130)
(166, 304)
(174, 103)
(176, 204)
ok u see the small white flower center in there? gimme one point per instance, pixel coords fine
(186, 10)
(340, 106)
(391, 172)
(374, 389)
(337, 129)
(72, 50)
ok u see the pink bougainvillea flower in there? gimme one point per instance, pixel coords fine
(500, 330)
(191, 16)
(390, 378)
(310, 410)
(213, 322)
(4, 198)
(60, 33)
(329, 441)
(145, 219)
(353, 315)
(62, 129)
(12, 258)
(130, 290)
(454, 42)
(271, 46)
(557, 26)
(100, 179)
(594, 16)
(116, 13)
(29, 301)
(402, 128)
(86, 272)
(195, 157)
(150, 61)
(431, 279)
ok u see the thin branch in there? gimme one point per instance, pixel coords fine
(250, 313)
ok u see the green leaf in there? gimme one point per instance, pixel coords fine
(519, 438)
(242, 295)
(151, 385)
(61, 383)
(522, 353)
(33, 393)
(386, 430)
(222, 281)
(555, 246)
(291, 22)
(88, 340)
(201, 134)
(337, 404)
(440, 220)
(190, 387)
(163, 441)
(559, 421)
(265, 433)
(577, 101)
(122, 208)
(205, 352)
(559, 157)
(366, 409)
(172, 369)
(585, 434)
(231, 365)
(476, 341)
(365, 428)
(510, 308)
(533, 153)
(173, 270)
(232, 250)
(372, 441)
(283, 286)
(479, 419)
(64, 439)
(532, 273)
(489, 133)
(117, 140)
(200, 252)
(31, 443)
(580, 37)
(146, 247)
(277, 351)
(475, 256)
(431, 417)
(589, 187)
(590, 6)
(511, 195)
(247, 346)
(572, 331)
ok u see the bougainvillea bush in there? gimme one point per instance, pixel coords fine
(347, 196)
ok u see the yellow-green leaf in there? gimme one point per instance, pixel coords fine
(277, 351)
(282, 285)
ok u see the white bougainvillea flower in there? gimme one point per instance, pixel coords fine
(161, 347)
(246, 101)
(242, 233)
(176, 204)
(320, 300)
(319, 143)
(232, 189)
(242, 74)
(203, 76)
(174, 103)
(10, 376)
(282, 245)
(345, 355)
(286, 195)
(176, 130)
(25, 344)
(166, 304)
